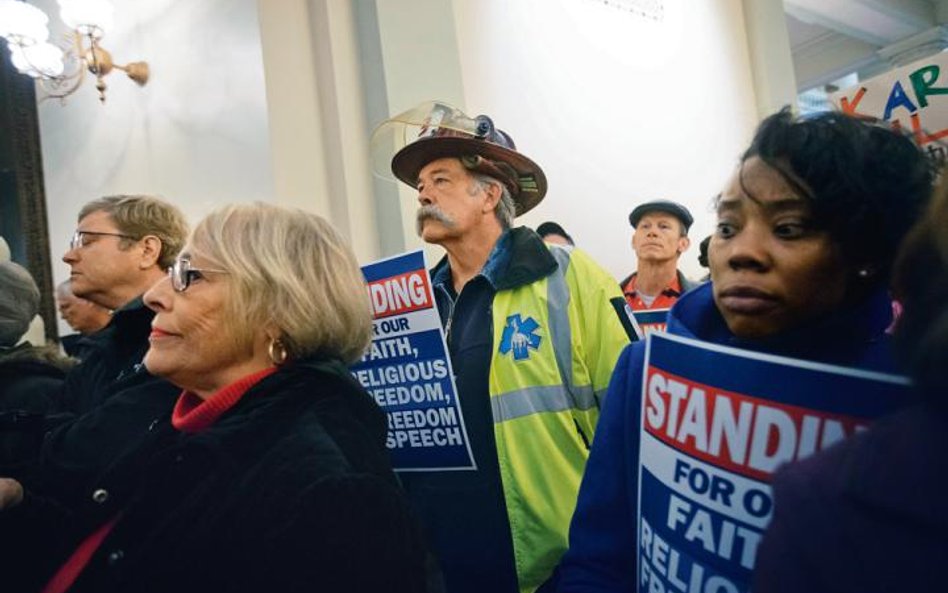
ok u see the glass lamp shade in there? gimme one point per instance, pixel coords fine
(89, 17)
(22, 24)
(41, 60)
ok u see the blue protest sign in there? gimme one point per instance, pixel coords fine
(716, 424)
(408, 372)
(651, 320)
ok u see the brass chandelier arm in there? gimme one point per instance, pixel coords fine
(98, 61)
(137, 71)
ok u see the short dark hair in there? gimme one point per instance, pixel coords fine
(703, 252)
(867, 184)
(552, 228)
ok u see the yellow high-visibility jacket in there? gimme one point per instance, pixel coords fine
(555, 323)
(546, 404)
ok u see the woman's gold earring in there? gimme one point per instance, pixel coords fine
(277, 352)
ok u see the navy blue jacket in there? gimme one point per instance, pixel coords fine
(602, 549)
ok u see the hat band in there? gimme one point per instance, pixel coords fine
(499, 170)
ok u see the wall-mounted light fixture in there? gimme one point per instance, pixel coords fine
(59, 71)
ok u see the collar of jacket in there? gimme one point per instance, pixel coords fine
(695, 315)
(519, 257)
(683, 282)
(130, 319)
(298, 377)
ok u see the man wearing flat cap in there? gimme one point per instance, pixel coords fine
(659, 239)
(533, 331)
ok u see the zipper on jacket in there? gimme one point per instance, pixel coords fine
(450, 321)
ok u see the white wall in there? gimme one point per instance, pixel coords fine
(616, 108)
(196, 135)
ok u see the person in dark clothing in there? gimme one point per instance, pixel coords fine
(120, 248)
(29, 376)
(271, 471)
(799, 264)
(868, 515)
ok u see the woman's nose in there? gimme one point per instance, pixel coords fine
(158, 297)
(748, 250)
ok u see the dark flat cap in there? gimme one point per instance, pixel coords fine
(552, 228)
(673, 208)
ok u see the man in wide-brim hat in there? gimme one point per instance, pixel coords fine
(533, 332)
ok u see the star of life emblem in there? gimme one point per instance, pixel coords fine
(520, 337)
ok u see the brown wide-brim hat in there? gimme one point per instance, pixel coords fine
(526, 181)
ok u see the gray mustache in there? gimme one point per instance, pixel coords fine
(433, 212)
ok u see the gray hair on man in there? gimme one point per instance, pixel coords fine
(505, 210)
(19, 302)
(141, 215)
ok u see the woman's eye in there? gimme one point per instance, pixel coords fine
(790, 230)
(195, 275)
(725, 230)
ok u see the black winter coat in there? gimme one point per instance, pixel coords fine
(105, 403)
(289, 490)
(30, 377)
(112, 360)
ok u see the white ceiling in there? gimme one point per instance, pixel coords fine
(832, 38)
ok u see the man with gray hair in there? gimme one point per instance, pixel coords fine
(533, 333)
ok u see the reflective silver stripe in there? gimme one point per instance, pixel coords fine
(535, 400)
(558, 314)
(599, 396)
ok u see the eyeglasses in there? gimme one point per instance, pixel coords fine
(81, 238)
(182, 274)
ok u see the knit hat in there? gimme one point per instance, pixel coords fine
(19, 302)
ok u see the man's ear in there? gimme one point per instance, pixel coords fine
(683, 244)
(151, 251)
(493, 193)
